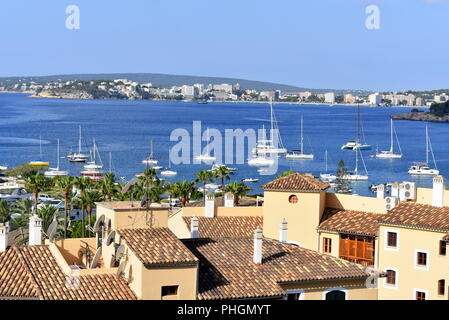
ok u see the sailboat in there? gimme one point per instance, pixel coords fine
(55, 172)
(357, 144)
(355, 176)
(79, 156)
(206, 157)
(39, 162)
(261, 161)
(423, 168)
(264, 146)
(150, 160)
(92, 169)
(299, 154)
(390, 153)
(327, 176)
(169, 172)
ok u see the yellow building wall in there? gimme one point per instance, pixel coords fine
(335, 247)
(424, 196)
(355, 289)
(403, 260)
(357, 203)
(73, 250)
(177, 225)
(224, 211)
(303, 217)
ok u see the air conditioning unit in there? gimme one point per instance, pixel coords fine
(407, 191)
(391, 203)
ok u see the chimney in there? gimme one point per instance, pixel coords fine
(438, 191)
(194, 227)
(229, 200)
(257, 258)
(283, 231)
(35, 231)
(4, 229)
(380, 192)
(209, 206)
(395, 190)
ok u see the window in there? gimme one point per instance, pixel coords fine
(336, 295)
(169, 291)
(442, 248)
(391, 277)
(441, 287)
(327, 245)
(392, 239)
(420, 295)
(295, 295)
(293, 199)
(422, 259)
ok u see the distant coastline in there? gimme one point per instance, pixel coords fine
(420, 116)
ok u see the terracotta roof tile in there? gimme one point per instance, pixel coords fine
(227, 270)
(418, 215)
(41, 277)
(350, 221)
(296, 182)
(226, 227)
(156, 246)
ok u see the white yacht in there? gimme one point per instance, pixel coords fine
(267, 147)
(357, 144)
(150, 160)
(422, 168)
(206, 157)
(169, 172)
(390, 153)
(78, 156)
(55, 172)
(299, 154)
(355, 176)
(250, 180)
(92, 165)
(261, 161)
(327, 176)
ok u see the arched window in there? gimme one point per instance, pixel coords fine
(336, 295)
(293, 199)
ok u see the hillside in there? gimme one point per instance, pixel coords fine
(168, 80)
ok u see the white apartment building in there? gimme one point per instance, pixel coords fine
(375, 98)
(329, 97)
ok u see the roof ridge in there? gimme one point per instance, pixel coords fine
(29, 272)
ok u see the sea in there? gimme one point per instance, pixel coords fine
(123, 131)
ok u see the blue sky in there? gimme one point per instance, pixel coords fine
(313, 43)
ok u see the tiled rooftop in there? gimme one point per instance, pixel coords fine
(32, 272)
(227, 270)
(296, 182)
(418, 215)
(156, 246)
(226, 227)
(350, 221)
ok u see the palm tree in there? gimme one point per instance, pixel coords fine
(24, 208)
(157, 190)
(238, 190)
(88, 199)
(5, 211)
(82, 183)
(65, 186)
(48, 213)
(285, 173)
(108, 187)
(223, 173)
(37, 183)
(204, 176)
(182, 190)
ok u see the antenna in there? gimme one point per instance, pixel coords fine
(144, 200)
(96, 258)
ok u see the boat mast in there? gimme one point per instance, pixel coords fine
(302, 139)
(271, 121)
(356, 161)
(57, 167)
(427, 145)
(325, 156)
(358, 124)
(40, 147)
(391, 136)
(110, 161)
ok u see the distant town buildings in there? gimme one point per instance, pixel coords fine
(329, 97)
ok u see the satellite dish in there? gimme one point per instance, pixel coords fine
(107, 224)
(110, 238)
(99, 223)
(121, 269)
(97, 256)
(119, 252)
(51, 231)
(129, 185)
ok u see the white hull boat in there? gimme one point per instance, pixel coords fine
(260, 162)
(390, 153)
(299, 154)
(78, 156)
(423, 169)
